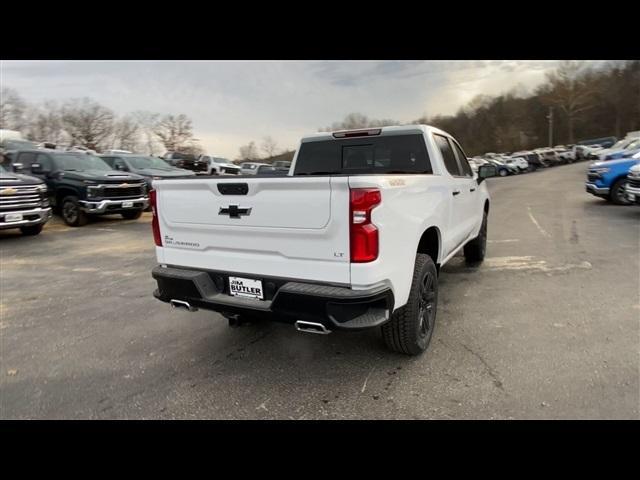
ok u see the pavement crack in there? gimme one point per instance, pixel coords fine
(492, 373)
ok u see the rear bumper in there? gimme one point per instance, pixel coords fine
(337, 308)
(595, 190)
(31, 217)
(113, 206)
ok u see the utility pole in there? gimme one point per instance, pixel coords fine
(550, 118)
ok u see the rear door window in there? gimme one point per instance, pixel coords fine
(369, 155)
(448, 156)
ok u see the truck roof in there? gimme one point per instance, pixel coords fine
(391, 130)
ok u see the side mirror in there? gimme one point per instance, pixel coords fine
(486, 171)
(37, 168)
(120, 167)
(17, 167)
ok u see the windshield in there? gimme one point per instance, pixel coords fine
(67, 161)
(148, 162)
(633, 145)
(620, 144)
(220, 160)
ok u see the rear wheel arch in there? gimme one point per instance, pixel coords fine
(430, 244)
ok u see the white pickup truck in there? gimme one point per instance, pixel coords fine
(352, 238)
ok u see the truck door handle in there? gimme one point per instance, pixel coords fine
(456, 192)
(472, 190)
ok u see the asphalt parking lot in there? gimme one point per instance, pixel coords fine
(547, 327)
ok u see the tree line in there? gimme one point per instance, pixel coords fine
(584, 103)
(84, 122)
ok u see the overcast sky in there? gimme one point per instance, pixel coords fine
(233, 102)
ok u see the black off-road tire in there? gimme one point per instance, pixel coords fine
(476, 249)
(411, 327)
(132, 214)
(32, 230)
(71, 213)
(617, 194)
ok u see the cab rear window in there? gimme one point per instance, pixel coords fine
(374, 155)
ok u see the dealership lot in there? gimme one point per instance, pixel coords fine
(547, 327)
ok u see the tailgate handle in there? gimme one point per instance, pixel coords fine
(233, 188)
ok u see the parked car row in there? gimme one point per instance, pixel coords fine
(213, 165)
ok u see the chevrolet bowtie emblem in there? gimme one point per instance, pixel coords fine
(8, 191)
(234, 211)
(123, 185)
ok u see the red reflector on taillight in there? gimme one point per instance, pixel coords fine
(363, 233)
(154, 221)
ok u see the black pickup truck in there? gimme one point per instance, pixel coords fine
(187, 161)
(80, 185)
(24, 203)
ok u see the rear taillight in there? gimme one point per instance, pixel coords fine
(154, 221)
(363, 233)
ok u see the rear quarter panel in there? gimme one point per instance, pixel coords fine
(410, 205)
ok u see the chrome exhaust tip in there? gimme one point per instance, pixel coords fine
(311, 327)
(182, 305)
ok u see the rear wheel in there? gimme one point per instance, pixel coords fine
(617, 194)
(32, 230)
(503, 172)
(411, 327)
(71, 213)
(132, 215)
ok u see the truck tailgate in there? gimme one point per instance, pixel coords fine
(290, 227)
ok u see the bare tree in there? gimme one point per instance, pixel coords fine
(12, 109)
(126, 134)
(45, 123)
(569, 91)
(249, 152)
(147, 123)
(173, 131)
(88, 123)
(269, 147)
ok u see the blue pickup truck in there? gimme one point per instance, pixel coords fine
(608, 179)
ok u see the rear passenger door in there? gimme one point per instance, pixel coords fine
(457, 230)
(470, 195)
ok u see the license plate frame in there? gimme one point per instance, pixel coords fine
(13, 217)
(246, 288)
(127, 204)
